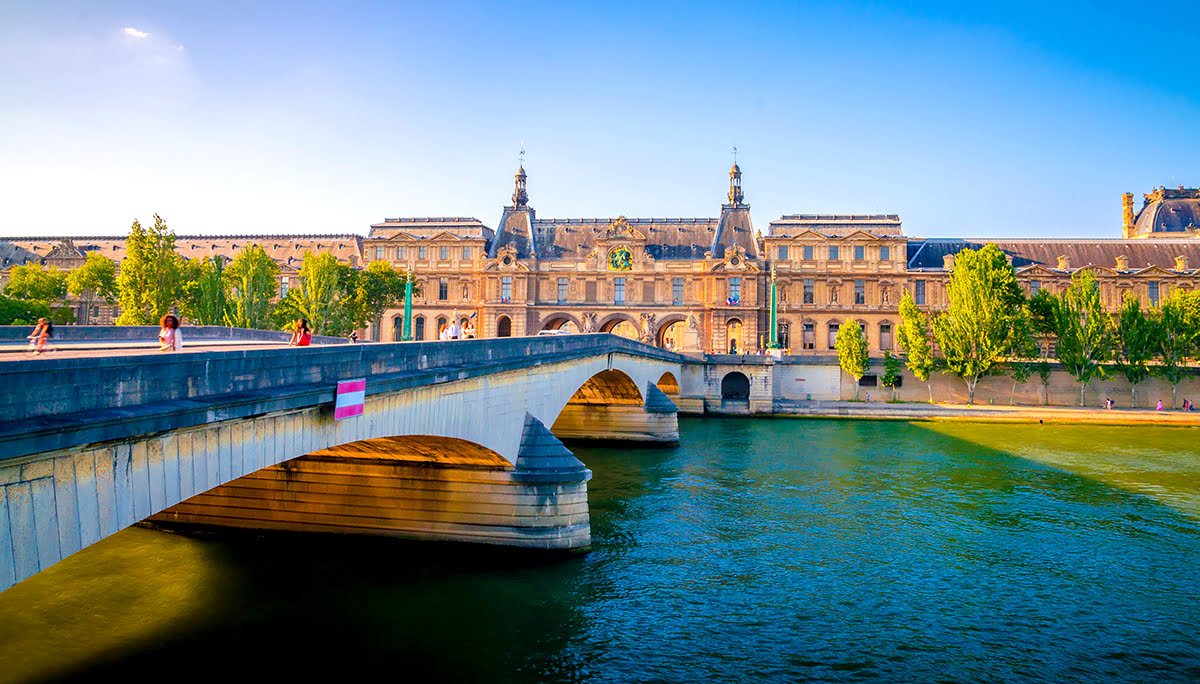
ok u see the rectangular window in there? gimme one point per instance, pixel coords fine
(808, 291)
(648, 292)
(735, 291)
(400, 251)
(677, 291)
(618, 290)
(808, 253)
(283, 287)
(860, 292)
(443, 252)
(466, 254)
(1152, 288)
(810, 336)
(885, 253)
(919, 292)
(833, 253)
(1034, 287)
(562, 290)
(783, 252)
(422, 252)
(378, 253)
(885, 336)
(589, 292)
(443, 288)
(506, 289)
(833, 328)
(860, 252)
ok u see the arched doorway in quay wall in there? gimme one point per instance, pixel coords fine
(735, 387)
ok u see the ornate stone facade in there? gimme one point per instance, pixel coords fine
(695, 284)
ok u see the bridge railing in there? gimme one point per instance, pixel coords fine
(154, 391)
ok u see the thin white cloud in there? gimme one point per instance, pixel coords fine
(134, 33)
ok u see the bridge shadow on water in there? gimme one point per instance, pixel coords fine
(757, 550)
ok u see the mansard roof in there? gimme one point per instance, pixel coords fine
(461, 226)
(284, 249)
(928, 253)
(884, 225)
(666, 238)
(1168, 210)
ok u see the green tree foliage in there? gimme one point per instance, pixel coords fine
(319, 296)
(976, 332)
(851, 347)
(1043, 369)
(1084, 330)
(913, 337)
(1136, 342)
(891, 372)
(1178, 324)
(1023, 356)
(36, 283)
(20, 312)
(205, 295)
(251, 283)
(148, 284)
(96, 278)
(373, 290)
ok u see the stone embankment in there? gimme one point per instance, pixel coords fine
(988, 413)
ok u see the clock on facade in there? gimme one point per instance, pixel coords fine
(620, 259)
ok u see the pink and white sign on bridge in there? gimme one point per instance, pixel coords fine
(351, 394)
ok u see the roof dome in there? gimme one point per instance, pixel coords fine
(1169, 213)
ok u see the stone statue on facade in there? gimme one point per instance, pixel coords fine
(647, 335)
(589, 322)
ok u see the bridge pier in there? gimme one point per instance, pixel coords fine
(656, 421)
(417, 487)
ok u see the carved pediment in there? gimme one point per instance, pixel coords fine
(506, 260)
(621, 230)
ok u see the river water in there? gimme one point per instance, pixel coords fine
(758, 550)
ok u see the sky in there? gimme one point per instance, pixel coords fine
(966, 119)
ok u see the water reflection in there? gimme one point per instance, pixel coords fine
(775, 550)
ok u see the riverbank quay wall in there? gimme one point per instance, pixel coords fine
(779, 385)
(91, 446)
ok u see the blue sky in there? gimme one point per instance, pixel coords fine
(998, 119)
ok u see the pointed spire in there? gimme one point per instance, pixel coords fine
(735, 182)
(520, 196)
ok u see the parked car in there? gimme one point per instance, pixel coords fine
(559, 331)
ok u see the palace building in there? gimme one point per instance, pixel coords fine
(692, 284)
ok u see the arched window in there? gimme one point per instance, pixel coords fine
(833, 329)
(885, 336)
(397, 328)
(503, 327)
(440, 326)
(810, 335)
(419, 328)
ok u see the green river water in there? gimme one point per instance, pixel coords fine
(757, 550)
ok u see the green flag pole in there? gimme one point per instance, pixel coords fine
(408, 285)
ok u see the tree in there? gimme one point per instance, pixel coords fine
(36, 283)
(852, 352)
(149, 282)
(1177, 331)
(20, 312)
(97, 277)
(976, 331)
(318, 296)
(205, 295)
(373, 290)
(1024, 354)
(913, 337)
(1043, 370)
(1083, 329)
(891, 372)
(251, 282)
(1136, 342)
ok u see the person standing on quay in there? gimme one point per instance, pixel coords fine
(169, 338)
(1159, 405)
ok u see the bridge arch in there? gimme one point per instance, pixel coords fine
(669, 384)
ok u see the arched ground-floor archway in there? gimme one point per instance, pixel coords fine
(735, 336)
(503, 327)
(621, 326)
(561, 321)
(670, 333)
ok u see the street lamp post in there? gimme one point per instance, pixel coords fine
(408, 288)
(774, 313)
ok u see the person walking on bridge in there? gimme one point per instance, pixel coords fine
(41, 334)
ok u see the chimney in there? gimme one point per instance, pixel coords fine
(948, 262)
(1064, 264)
(1122, 263)
(1181, 263)
(1127, 214)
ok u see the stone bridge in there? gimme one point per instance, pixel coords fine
(458, 440)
